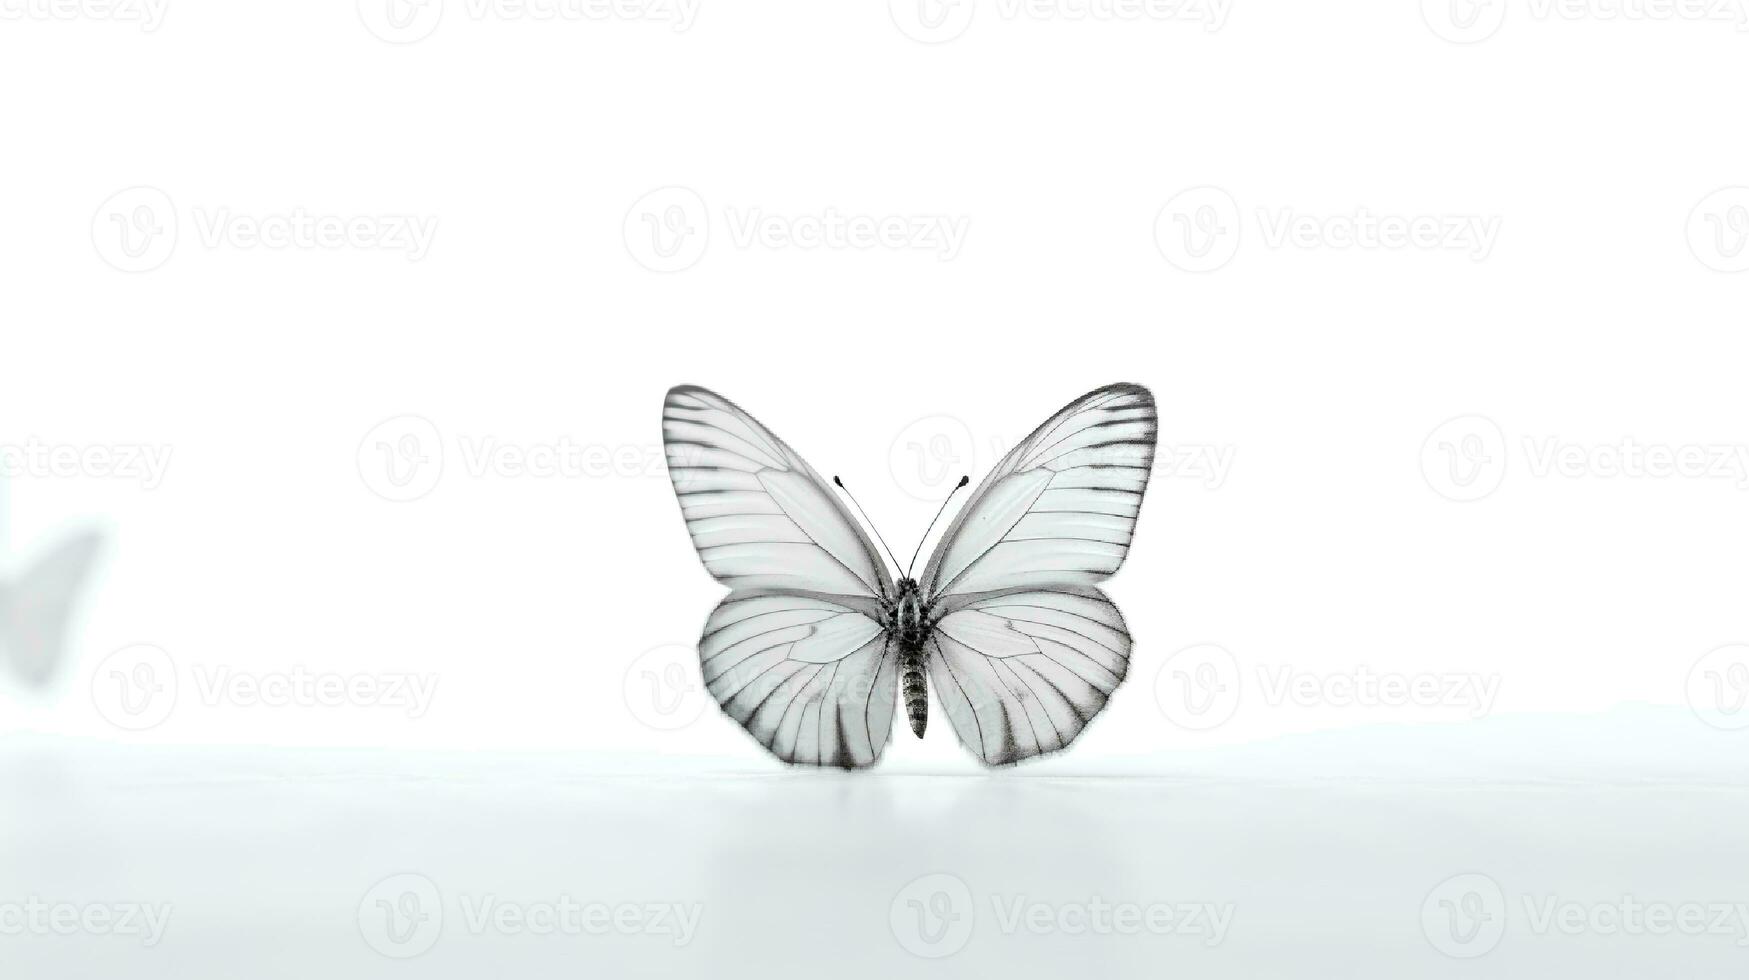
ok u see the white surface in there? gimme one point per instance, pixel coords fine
(1323, 852)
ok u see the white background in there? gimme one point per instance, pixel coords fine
(553, 160)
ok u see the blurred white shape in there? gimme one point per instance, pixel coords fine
(36, 608)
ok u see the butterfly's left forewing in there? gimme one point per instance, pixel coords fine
(796, 654)
(1026, 650)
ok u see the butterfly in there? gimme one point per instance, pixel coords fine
(36, 609)
(815, 640)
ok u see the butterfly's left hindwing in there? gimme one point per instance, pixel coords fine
(810, 678)
(796, 654)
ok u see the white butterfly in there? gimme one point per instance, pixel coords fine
(35, 610)
(811, 645)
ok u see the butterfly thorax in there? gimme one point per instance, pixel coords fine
(908, 627)
(910, 616)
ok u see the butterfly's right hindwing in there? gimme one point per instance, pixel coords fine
(797, 653)
(1021, 673)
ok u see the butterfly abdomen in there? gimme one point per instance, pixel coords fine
(911, 663)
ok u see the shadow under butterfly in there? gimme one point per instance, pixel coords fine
(813, 644)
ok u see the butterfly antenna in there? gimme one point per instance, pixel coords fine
(956, 489)
(865, 520)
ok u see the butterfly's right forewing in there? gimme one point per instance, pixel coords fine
(797, 653)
